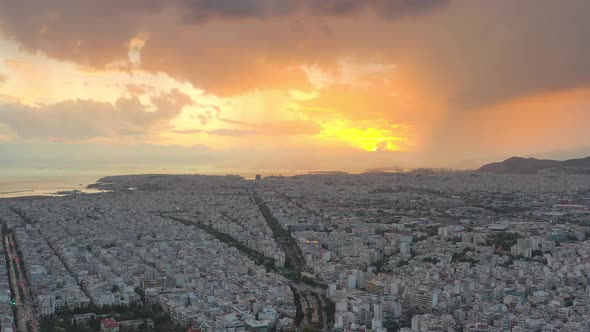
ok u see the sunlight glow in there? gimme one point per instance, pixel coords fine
(368, 138)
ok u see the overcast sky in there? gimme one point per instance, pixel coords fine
(308, 84)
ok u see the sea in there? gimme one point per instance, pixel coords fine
(23, 182)
(43, 183)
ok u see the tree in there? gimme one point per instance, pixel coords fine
(390, 323)
(503, 240)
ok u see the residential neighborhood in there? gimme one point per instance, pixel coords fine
(417, 251)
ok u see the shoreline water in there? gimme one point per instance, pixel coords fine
(25, 184)
(21, 182)
(16, 182)
(32, 193)
(16, 192)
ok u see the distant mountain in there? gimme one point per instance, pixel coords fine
(532, 165)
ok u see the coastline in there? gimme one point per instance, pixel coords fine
(26, 198)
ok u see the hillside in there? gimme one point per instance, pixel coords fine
(532, 165)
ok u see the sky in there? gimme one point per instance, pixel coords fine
(292, 84)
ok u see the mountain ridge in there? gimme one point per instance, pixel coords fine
(533, 165)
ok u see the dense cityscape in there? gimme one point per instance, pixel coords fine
(420, 251)
(295, 165)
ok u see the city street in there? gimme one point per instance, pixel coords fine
(26, 319)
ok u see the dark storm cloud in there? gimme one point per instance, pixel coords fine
(530, 47)
(476, 53)
(76, 120)
(86, 31)
(393, 9)
(198, 10)
(388, 9)
(205, 9)
(29, 11)
(97, 33)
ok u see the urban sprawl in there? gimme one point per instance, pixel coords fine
(420, 251)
